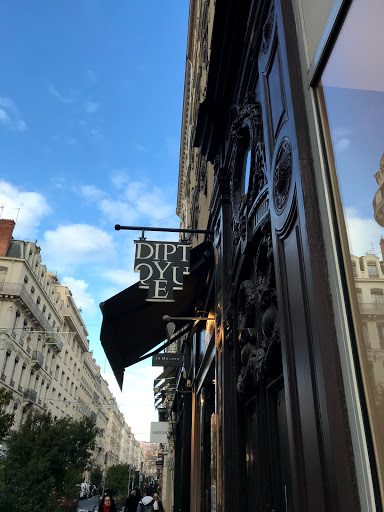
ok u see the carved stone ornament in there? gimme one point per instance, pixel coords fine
(282, 175)
(228, 326)
(260, 356)
(267, 33)
(246, 120)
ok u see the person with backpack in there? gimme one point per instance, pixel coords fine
(146, 504)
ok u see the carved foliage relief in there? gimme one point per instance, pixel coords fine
(244, 130)
(258, 322)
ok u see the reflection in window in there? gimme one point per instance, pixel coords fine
(247, 171)
(351, 101)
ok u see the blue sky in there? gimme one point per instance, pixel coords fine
(90, 117)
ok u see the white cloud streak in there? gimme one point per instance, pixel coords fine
(66, 99)
(362, 232)
(10, 117)
(26, 208)
(76, 244)
(81, 297)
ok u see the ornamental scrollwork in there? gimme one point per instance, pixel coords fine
(267, 33)
(282, 175)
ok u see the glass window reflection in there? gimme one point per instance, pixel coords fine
(351, 99)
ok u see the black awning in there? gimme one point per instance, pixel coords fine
(132, 326)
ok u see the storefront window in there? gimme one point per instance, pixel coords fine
(351, 99)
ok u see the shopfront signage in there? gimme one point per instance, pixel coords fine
(162, 267)
(168, 359)
(159, 432)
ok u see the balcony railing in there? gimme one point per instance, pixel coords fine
(20, 291)
(371, 308)
(3, 377)
(30, 395)
(55, 343)
(37, 359)
(19, 389)
(12, 383)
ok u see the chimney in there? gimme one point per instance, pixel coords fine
(382, 247)
(6, 230)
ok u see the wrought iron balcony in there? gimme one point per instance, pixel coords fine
(3, 377)
(30, 395)
(55, 343)
(37, 359)
(371, 308)
(12, 383)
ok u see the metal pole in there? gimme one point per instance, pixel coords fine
(167, 230)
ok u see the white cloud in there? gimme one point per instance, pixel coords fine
(82, 298)
(92, 193)
(76, 244)
(342, 144)
(91, 106)
(118, 212)
(26, 208)
(362, 233)
(4, 117)
(63, 98)
(10, 117)
(123, 278)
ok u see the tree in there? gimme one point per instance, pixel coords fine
(45, 460)
(117, 478)
(96, 476)
(6, 419)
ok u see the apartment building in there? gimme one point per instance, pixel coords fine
(44, 349)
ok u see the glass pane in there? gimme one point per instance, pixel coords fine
(351, 98)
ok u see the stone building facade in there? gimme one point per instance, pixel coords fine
(44, 351)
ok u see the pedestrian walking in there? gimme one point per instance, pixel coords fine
(107, 504)
(146, 504)
(132, 502)
(157, 503)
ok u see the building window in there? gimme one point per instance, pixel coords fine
(32, 289)
(25, 279)
(359, 294)
(377, 296)
(350, 98)
(373, 273)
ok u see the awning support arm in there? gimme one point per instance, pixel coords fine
(179, 334)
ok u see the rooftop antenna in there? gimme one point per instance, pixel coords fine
(17, 216)
(1, 210)
(372, 250)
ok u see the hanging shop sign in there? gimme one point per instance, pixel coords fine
(159, 432)
(162, 267)
(168, 359)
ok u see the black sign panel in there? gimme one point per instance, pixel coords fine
(162, 267)
(168, 359)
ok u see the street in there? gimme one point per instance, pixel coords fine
(89, 504)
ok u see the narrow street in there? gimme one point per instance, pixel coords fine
(89, 504)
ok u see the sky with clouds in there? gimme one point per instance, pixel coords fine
(90, 119)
